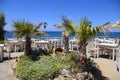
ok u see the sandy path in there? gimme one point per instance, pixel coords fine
(108, 68)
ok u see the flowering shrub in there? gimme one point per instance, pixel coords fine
(46, 67)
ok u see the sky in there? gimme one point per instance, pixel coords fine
(50, 11)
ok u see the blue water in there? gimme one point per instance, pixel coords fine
(59, 34)
(110, 34)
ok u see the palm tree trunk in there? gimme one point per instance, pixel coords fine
(82, 47)
(66, 40)
(28, 46)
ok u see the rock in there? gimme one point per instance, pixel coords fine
(73, 79)
(59, 78)
(90, 76)
(70, 79)
(66, 75)
(14, 65)
(64, 78)
(80, 76)
(64, 72)
(85, 73)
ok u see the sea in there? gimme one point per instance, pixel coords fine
(58, 34)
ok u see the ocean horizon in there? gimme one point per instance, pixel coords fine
(10, 34)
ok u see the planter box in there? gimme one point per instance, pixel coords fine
(1, 52)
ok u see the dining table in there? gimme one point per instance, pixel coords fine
(14, 42)
(106, 41)
(112, 46)
(73, 43)
(41, 42)
(55, 42)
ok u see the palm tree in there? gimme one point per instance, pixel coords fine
(2, 24)
(65, 34)
(69, 27)
(84, 32)
(27, 30)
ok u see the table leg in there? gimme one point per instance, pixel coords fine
(72, 46)
(9, 52)
(1, 52)
(97, 51)
(113, 54)
(24, 43)
(15, 48)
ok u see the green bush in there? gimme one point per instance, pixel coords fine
(44, 68)
(1, 41)
(74, 56)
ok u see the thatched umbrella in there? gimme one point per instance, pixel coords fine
(105, 31)
(116, 25)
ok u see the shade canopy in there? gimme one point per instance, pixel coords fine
(116, 25)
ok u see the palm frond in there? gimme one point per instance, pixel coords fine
(39, 33)
(23, 28)
(38, 26)
(59, 25)
(66, 33)
(84, 22)
(69, 25)
(36, 29)
(19, 27)
(104, 25)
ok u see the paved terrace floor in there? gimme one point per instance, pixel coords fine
(6, 72)
(108, 68)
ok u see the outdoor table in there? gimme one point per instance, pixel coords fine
(1, 52)
(41, 42)
(72, 41)
(107, 45)
(106, 41)
(24, 42)
(14, 42)
(54, 41)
